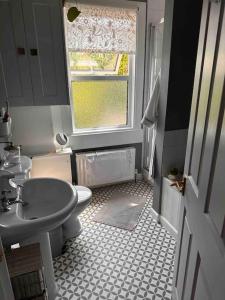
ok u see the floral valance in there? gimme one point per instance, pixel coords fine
(101, 29)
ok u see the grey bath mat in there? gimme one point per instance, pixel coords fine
(121, 210)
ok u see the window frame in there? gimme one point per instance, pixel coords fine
(134, 129)
(130, 98)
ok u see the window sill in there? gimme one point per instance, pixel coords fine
(101, 131)
(88, 140)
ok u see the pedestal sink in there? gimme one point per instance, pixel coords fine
(48, 203)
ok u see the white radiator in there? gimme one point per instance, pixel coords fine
(105, 167)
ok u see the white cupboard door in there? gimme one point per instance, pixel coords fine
(15, 83)
(44, 31)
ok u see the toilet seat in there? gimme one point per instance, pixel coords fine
(84, 194)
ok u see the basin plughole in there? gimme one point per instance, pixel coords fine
(49, 202)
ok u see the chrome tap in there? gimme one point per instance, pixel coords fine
(14, 201)
(17, 199)
(5, 200)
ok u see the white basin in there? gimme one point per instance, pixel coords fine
(49, 203)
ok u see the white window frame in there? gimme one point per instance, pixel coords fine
(133, 130)
(130, 99)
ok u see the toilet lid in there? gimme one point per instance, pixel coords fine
(84, 193)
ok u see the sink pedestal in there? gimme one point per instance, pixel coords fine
(43, 239)
(49, 202)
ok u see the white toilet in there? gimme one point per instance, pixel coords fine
(72, 227)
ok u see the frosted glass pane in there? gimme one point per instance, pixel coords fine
(100, 103)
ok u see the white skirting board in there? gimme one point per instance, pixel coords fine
(172, 230)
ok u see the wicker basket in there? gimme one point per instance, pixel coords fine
(25, 270)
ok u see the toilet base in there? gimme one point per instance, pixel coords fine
(71, 228)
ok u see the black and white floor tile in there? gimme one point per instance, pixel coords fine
(108, 263)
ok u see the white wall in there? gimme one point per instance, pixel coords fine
(175, 150)
(155, 10)
(171, 201)
(35, 127)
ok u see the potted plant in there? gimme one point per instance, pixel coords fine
(173, 174)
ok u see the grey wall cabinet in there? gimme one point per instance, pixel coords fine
(15, 80)
(32, 56)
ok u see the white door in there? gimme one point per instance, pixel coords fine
(200, 258)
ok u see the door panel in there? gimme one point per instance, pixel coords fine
(44, 29)
(205, 90)
(216, 199)
(198, 81)
(15, 84)
(214, 120)
(214, 145)
(192, 273)
(204, 168)
(184, 254)
(201, 291)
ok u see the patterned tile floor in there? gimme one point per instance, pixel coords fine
(108, 263)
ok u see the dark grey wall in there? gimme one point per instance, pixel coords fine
(185, 34)
(181, 30)
(138, 158)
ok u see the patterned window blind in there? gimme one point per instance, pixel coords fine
(101, 29)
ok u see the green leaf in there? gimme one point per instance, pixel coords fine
(72, 14)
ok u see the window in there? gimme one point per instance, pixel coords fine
(101, 45)
(99, 88)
